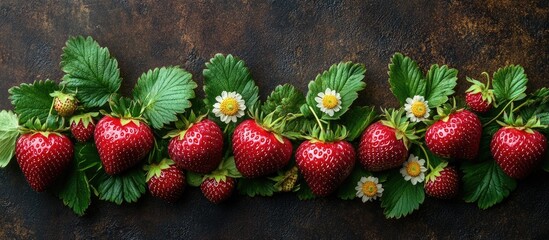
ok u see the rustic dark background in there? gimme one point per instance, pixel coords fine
(281, 41)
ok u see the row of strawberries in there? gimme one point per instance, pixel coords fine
(123, 143)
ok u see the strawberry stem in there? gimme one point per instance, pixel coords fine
(501, 112)
(426, 156)
(317, 120)
(487, 79)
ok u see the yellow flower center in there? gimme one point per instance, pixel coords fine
(419, 109)
(413, 169)
(329, 101)
(229, 106)
(369, 189)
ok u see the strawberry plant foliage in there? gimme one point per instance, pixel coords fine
(285, 99)
(509, 83)
(345, 79)
(400, 197)
(256, 187)
(229, 74)
(76, 191)
(33, 100)
(357, 119)
(128, 186)
(9, 124)
(486, 184)
(406, 81)
(90, 71)
(347, 189)
(164, 93)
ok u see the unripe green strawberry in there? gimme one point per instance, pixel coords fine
(64, 104)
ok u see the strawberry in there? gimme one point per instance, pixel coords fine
(165, 180)
(442, 182)
(479, 97)
(199, 148)
(217, 190)
(325, 165)
(122, 143)
(65, 104)
(259, 152)
(517, 148)
(476, 102)
(384, 144)
(83, 126)
(456, 135)
(43, 157)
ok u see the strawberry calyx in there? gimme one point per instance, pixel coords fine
(53, 125)
(509, 121)
(444, 112)
(404, 130)
(85, 118)
(126, 110)
(184, 123)
(268, 123)
(435, 173)
(484, 89)
(320, 134)
(63, 97)
(155, 169)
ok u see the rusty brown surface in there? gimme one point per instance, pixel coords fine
(281, 41)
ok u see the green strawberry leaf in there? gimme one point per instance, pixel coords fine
(357, 119)
(486, 184)
(231, 75)
(405, 78)
(230, 166)
(76, 192)
(256, 187)
(90, 71)
(283, 100)
(347, 189)
(128, 186)
(345, 79)
(33, 100)
(305, 192)
(440, 84)
(164, 93)
(9, 124)
(400, 197)
(193, 179)
(509, 83)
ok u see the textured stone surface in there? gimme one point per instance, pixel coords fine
(281, 41)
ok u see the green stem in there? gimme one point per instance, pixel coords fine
(317, 120)
(421, 130)
(499, 114)
(426, 156)
(520, 106)
(487, 79)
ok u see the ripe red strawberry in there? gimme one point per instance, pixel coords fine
(43, 157)
(65, 104)
(122, 143)
(455, 136)
(83, 127)
(258, 152)
(518, 151)
(325, 165)
(479, 97)
(384, 144)
(442, 182)
(217, 191)
(476, 102)
(165, 181)
(199, 148)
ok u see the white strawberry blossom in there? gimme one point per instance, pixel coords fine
(417, 109)
(414, 169)
(229, 106)
(329, 101)
(369, 189)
